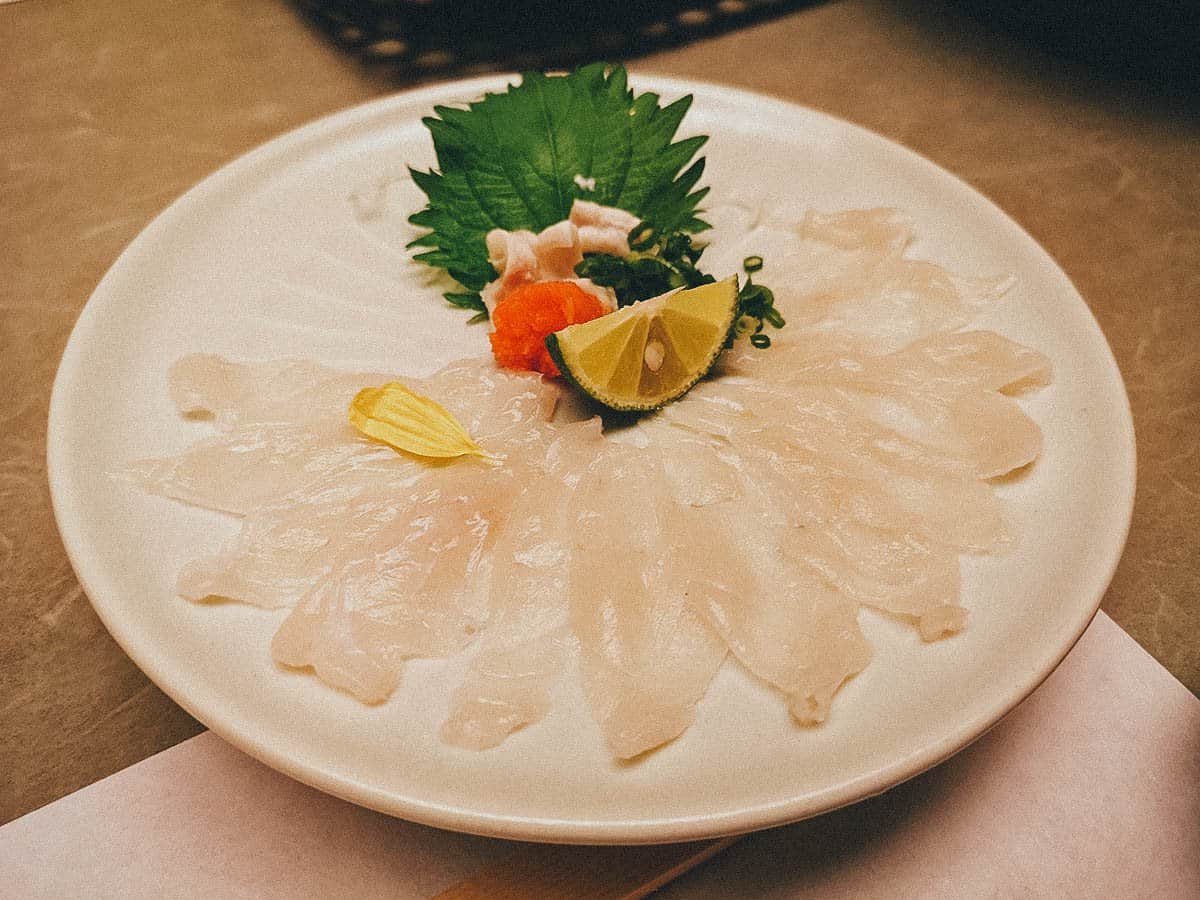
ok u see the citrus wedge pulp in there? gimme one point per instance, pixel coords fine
(648, 354)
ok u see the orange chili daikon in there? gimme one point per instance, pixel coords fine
(526, 316)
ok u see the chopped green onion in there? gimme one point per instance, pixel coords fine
(757, 305)
(659, 262)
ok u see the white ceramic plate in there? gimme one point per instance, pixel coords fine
(297, 250)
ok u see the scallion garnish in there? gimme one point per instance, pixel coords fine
(758, 303)
(660, 262)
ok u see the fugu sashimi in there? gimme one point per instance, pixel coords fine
(506, 688)
(817, 259)
(320, 634)
(828, 462)
(520, 658)
(950, 365)
(646, 656)
(236, 393)
(942, 392)
(285, 548)
(846, 273)
(793, 353)
(490, 401)
(847, 465)
(944, 365)
(997, 435)
(903, 437)
(988, 432)
(485, 398)
(881, 292)
(778, 617)
(695, 469)
(708, 412)
(248, 467)
(956, 512)
(878, 517)
(906, 299)
(817, 421)
(421, 579)
(894, 571)
(834, 476)
(296, 433)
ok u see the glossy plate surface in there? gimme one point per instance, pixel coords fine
(297, 250)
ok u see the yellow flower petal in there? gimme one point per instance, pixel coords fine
(408, 422)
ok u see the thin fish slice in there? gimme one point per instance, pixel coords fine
(847, 480)
(894, 571)
(778, 617)
(288, 391)
(818, 263)
(293, 391)
(646, 657)
(251, 466)
(847, 273)
(283, 550)
(997, 435)
(507, 688)
(419, 583)
(696, 470)
(947, 366)
(290, 438)
(508, 683)
(950, 508)
(948, 388)
(905, 299)
(829, 461)
(320, 634)
(489, 401)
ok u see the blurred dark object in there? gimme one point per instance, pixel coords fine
(424, 36)
(1156, 41)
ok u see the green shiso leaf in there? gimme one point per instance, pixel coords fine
(514, 161)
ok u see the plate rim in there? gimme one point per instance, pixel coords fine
(561, 830)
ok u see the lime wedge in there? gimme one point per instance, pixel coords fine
(648, 354)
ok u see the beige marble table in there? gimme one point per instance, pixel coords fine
(110, 111)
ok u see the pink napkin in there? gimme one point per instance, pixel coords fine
(1091, 788)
